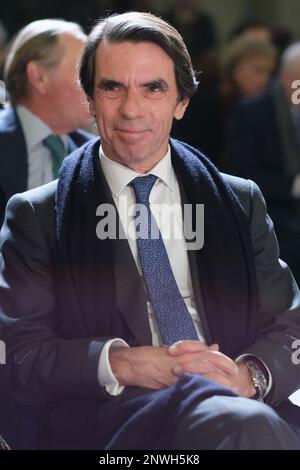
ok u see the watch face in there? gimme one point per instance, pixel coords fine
(258, 378)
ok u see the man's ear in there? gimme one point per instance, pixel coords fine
(91, 106)
(36, 76)
(180, 108)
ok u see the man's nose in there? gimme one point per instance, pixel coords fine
(131, 105)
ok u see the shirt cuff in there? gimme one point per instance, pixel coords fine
(269, 378)
(296, 187)
(106, 376)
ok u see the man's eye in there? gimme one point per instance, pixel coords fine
(111, 87)
(154, 87)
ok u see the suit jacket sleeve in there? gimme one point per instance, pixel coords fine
(279, 304)
(40, 366)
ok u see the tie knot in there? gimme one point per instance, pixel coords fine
(142, 186)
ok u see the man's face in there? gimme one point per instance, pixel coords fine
(252, 75)
(64, 95)
(135, 100)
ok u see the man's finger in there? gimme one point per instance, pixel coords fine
(214, 347)
(187, 346)
(220, 361)
(198, 368)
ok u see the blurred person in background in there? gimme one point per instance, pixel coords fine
(263, 143)
(47, 105)
(280, 36)
(246, 70)
(38, 129)
(247, 66)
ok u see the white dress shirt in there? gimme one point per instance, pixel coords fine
(39, 156)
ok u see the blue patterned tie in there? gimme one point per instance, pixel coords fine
(173, 318)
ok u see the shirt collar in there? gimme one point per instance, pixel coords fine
(119, 176)
(35, 130)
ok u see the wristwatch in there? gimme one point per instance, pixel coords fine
(258, 378)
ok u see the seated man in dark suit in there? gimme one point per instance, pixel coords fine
(121, 326)
(263, 144)
(47, 108)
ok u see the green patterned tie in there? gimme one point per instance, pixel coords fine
(56, 146)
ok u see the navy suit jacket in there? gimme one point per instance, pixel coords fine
(14, 158)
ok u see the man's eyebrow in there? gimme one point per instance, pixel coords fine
(159, 82)
(107, 82)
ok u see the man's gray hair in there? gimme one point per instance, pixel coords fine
(139, 27)
(290, 57)
(37, 41)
